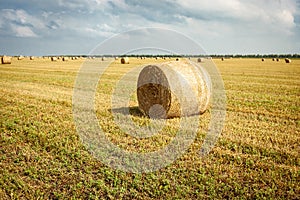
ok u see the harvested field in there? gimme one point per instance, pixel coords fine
(256, 157)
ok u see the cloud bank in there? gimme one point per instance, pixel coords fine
(76, 26)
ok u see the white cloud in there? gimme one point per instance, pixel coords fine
(204, 20)
(268, 12)
(21, 17)
(19, 23)
(23, 31)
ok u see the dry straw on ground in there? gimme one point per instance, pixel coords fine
(173, 89)
(125, 60)
(6, 60)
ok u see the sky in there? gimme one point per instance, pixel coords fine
(56, 27)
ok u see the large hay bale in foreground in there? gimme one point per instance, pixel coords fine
(125, 60)
(6, 60)
(173, 89)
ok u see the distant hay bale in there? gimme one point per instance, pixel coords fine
(125, 60)
(31, 58)
(116, 58)
(103, 59)
(6, 60)
(173, 89)
(222, 59)
(65, 59)
(277, 59)
(53, 59)
(263, 59)
(20, 57)
(177, 59)
(273, 59)
(288, 60)
(200, 59)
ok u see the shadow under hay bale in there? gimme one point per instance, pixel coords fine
(173, 89)
(134, 111)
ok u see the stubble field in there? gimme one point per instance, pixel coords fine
(256, 156)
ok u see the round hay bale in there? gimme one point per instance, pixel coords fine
(65, 58)
(20, 57)
(263, 59)
(273, 59)
(173, 89)
(125, 60)
(177, 59)
(54, 59)
(277, 59)
(222, 59)
(200, 60)
(31, 58)
(6, 60)
(288, 60)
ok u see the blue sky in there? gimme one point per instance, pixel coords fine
(39, 27)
